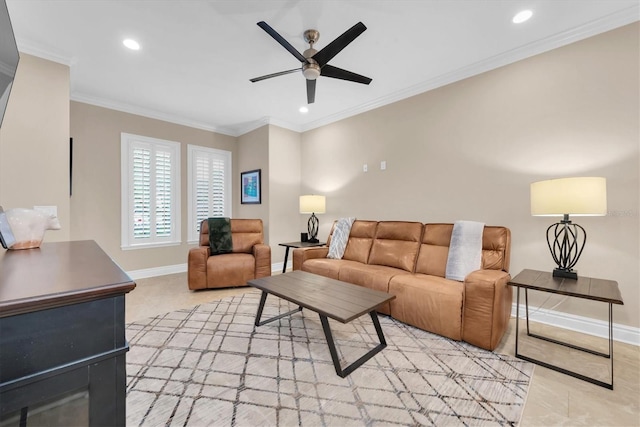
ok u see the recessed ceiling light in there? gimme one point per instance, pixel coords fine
(131, 44)
(303, 109)
(522, 16)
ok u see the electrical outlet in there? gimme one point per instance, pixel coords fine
(365, 168)
(383, 165)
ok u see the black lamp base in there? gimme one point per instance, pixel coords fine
(566, 242)
(566, 274)
(312, 227)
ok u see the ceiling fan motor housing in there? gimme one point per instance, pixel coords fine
(310, 69)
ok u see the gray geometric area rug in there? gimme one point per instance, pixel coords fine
(210, 366)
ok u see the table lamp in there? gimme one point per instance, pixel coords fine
(312, 204)
(581, 196)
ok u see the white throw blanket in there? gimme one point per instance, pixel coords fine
(465, 249)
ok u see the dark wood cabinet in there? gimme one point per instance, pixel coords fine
(62, 332)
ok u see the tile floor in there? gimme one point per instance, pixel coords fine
(554, 399)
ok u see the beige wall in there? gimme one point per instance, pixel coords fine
(284, 189)
(276, 151)
(95, 204)
(253, 153)
(34, 141)
(469, 150)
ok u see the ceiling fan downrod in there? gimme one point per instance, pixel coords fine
(311, 69)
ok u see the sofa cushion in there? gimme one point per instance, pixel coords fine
(496, 244)
(396, 244)
(245, 233)
(233, 269)
(340, 237)
(374, 277)
(434, 249)
(428, 302)
(325, 266)
(360, 241)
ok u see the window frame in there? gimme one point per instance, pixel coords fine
(129, 142)
(208, 152)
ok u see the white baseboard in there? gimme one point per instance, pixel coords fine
(277, 267)
(585, 325)
(157, 271)
(181, 268)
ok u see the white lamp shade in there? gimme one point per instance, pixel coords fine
(312, 204)
(582, 196)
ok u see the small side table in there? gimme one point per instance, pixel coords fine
(296, 245)
(586, 288)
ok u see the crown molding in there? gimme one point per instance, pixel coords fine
(48, 54)
(610, 22)
(251, 126)
(149, 113)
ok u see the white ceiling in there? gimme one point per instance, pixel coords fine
(197, 56)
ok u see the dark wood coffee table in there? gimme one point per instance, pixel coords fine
(329, 298)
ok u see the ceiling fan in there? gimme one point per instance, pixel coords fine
(315, 63)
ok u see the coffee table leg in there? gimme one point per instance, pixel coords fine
(334, 353)
(263, 299)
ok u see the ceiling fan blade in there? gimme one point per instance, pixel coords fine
(339, 73)
(333, 48)
(268, 76)
(273, 33)
(311, 91)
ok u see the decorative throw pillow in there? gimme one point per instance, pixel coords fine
(220, 241)
(340, 237)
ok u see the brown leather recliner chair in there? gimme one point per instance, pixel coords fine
(250, 259)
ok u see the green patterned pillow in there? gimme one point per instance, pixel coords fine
(220, 240)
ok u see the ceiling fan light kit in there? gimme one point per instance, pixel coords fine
(315, 63)
(311, 71)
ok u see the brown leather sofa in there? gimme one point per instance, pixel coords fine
(408, 260)
(250, 259)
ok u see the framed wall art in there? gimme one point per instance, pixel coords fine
(250, 187)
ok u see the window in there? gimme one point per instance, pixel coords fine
(150, 192)
(209, 190)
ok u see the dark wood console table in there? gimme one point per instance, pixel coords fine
(62, 335)
(586, 288)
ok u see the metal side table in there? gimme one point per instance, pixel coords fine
(585, 287)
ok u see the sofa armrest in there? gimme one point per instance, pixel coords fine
(262, 254)
(197, 267)
(487, 307)
(300, 255)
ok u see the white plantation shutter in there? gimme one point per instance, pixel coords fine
(163, 199)
(150, 191)
(141, 193)
(209, 186)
